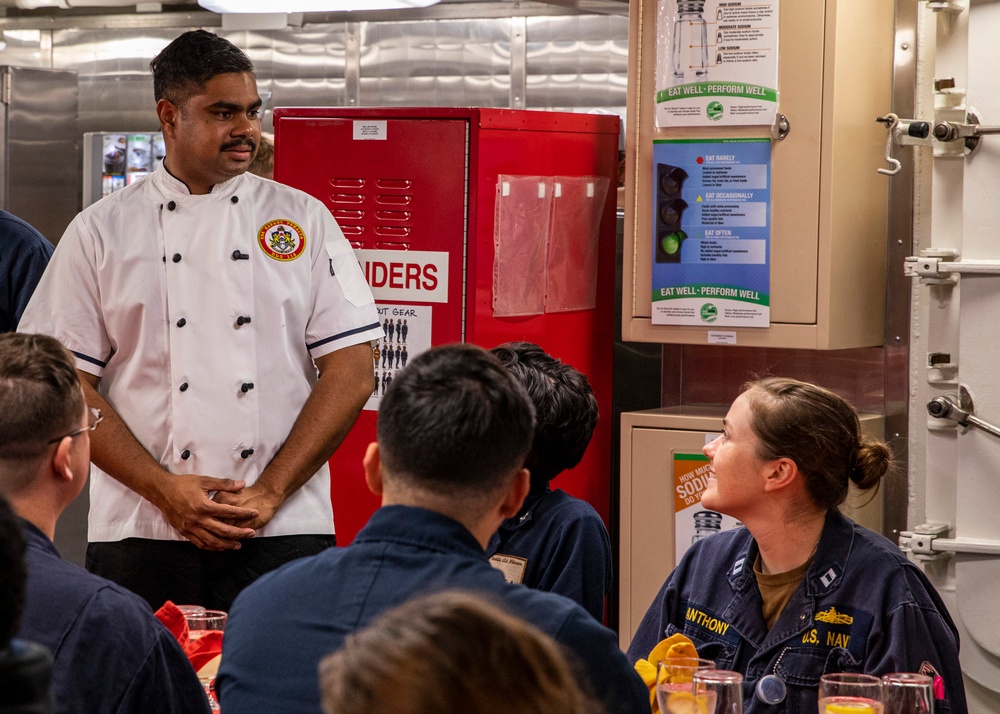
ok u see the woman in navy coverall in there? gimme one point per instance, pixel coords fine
(782, 466)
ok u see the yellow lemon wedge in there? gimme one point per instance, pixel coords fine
(849, 708)
(211, 668)
(681, 703)
(677, 645)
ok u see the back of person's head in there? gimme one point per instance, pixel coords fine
(565, 408)
(12, 573)
(455, 423)
(820, 432)
(40, 399)
(450, 652)
(192, 59)
(263, 162)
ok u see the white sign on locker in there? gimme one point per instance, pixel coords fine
(406, 275)
(374, 130)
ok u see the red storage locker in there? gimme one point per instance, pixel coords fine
(416, 193)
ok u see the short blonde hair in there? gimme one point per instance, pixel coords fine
(263, 162)
(450, 652)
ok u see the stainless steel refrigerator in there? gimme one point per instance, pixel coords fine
(114, 159)
(39, 147)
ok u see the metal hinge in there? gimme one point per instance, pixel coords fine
(938, 266)
(951, 7)
(924, 543)
(920, 542)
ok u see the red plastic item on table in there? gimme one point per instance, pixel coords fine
(199, 651)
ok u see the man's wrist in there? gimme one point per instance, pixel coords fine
(267, 487)
(152, 486)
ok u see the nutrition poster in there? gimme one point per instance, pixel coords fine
(692, 522)
(406, 332)
(711, 232)
(716, 62)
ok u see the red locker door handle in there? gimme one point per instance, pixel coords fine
(391, 245)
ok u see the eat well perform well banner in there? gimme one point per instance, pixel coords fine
(711, 232)
(716, 62)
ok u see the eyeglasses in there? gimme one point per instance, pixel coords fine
(95, 418)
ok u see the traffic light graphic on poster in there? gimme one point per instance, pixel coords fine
(669, 213)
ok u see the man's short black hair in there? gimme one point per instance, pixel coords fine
(183, 66)
(40, 398)
(454, 420)
(565, 408)
(13, 574)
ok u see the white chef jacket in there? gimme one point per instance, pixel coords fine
(148, 287)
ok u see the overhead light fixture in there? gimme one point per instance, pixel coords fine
(269, 6)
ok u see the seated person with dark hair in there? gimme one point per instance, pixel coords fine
(555, 542)
(454, 429)
(25, 668)
(111, 654)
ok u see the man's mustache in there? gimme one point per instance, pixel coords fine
(238, 143)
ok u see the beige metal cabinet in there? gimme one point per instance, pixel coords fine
(646, 551)
(829, 204)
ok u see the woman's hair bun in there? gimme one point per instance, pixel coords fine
(873, 461)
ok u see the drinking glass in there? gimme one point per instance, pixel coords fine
(190, 609)
(674, 683)
(199, 624)
(718, 691)
(850, 694)
(906, 693)
(205, 621)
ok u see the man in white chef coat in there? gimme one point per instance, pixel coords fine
(200, 303)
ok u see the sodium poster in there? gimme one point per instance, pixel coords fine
(692, 521)
(711, 232)
(716, 62)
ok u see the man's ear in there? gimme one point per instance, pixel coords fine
(518, 491)
(372, 463)
(62, 460)
(167, 112)
(781, 473)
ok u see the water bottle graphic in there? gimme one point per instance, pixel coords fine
(706, 523)
(689, 47)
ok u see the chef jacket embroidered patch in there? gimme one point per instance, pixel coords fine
(281, 240)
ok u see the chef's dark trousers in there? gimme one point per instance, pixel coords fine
(161, 570)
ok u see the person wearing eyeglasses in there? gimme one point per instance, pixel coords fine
(110, 654)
